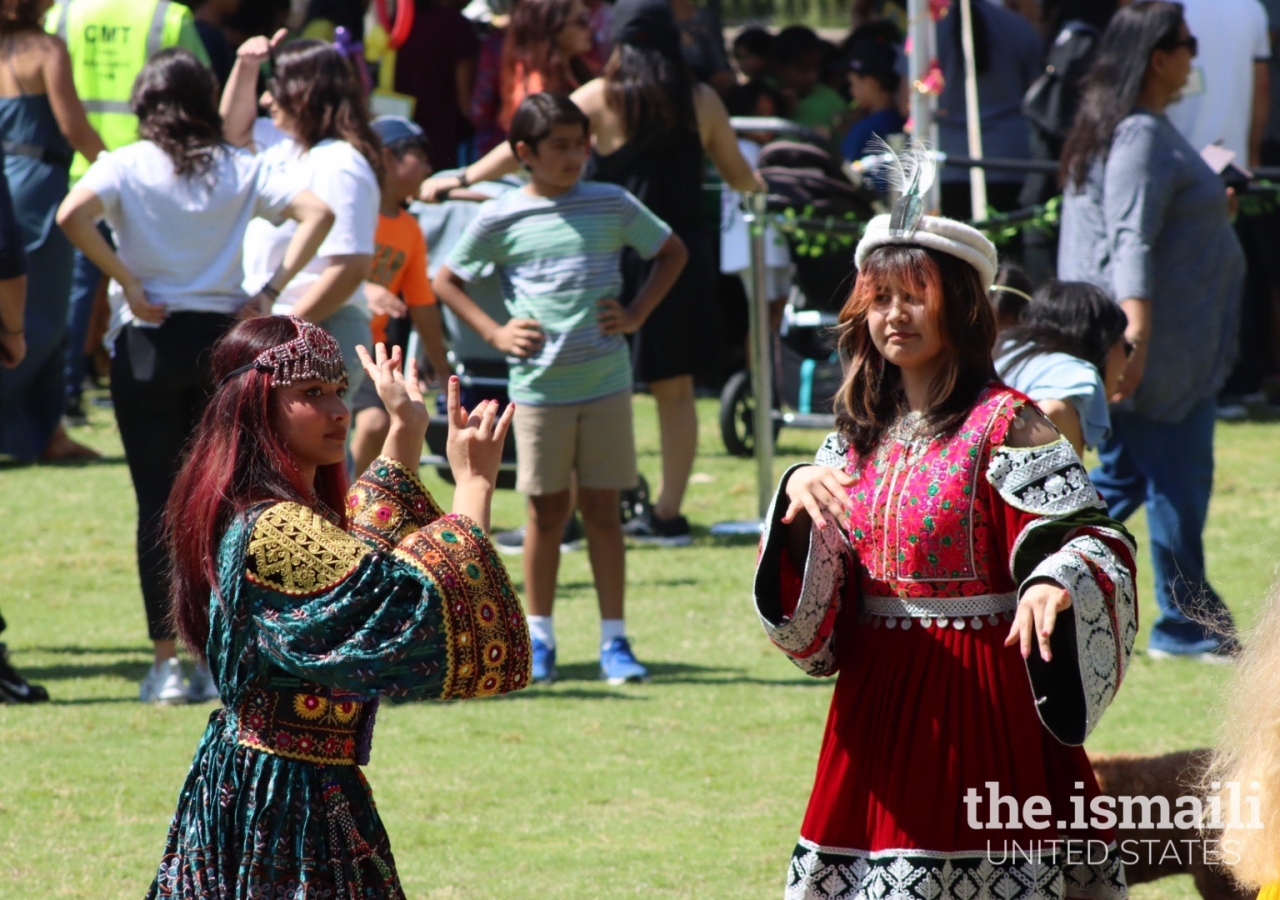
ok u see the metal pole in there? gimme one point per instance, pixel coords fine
(973, 115)
(924, 126)
(761, 339)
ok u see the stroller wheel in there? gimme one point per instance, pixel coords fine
(737, 416)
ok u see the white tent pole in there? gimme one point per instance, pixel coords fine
(977, 177)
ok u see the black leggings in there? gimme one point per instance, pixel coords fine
(160, 384)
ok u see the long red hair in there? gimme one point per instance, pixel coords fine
(872, 396)
(234, 460)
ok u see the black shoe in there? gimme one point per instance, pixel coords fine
(13, 687)
(73, 415)
(573, 538)
(649, 529)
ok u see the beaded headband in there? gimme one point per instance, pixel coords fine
(313, 354)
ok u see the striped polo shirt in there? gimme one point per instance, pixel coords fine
(557, 258)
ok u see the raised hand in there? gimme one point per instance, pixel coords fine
(476, 439)
(398, 389)
(256, 50)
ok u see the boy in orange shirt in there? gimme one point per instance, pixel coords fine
(398, 285)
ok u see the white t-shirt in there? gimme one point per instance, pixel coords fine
(1217, 103)
(335, 172)
(182, 237)
(735, 238)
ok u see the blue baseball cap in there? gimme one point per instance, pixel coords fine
(396, 131)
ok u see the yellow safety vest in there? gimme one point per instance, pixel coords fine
(109, 42)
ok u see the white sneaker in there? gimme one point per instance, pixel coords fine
(201, 688)
(163, 684)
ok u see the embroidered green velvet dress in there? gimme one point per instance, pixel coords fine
(313, 625)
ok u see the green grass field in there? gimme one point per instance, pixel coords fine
(690, 786)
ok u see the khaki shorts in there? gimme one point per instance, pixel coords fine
(594, 439)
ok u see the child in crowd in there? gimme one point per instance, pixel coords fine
(398, 283)
(557, 245)
(752, 49)
(873, 81)
(797, 62)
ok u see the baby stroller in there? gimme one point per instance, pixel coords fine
(806, 369)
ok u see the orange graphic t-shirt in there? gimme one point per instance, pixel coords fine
(400, 266)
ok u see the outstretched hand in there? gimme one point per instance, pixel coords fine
(398, 389)
(476, 439)
(1037, 614)
(821, 492)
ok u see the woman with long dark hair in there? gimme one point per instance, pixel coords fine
(1068, 353)
(310, 603)
(1146, 219)
(318, 133)
(42, 123)
(544, 50)
(947, 557)
(179, 201)
(651, 127)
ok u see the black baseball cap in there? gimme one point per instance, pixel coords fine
(873, 57)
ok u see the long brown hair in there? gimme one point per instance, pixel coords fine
(173, 99)
(651, 91)
(872, 395)
(531, 42)
(314, 85)
(1114, 83)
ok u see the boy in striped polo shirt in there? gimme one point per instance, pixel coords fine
(557, 245)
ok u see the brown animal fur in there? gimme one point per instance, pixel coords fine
(1170, 776)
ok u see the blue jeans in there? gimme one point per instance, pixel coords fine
(1169, 467)
(85, 278)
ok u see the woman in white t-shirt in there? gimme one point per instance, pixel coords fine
(319, 134)
(179, 201)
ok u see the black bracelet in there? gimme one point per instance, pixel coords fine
(271, 292)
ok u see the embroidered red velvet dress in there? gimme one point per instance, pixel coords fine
(910, 609)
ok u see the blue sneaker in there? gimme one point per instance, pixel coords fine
(618, 664)
(544, 663)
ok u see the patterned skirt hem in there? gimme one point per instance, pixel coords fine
(1005, 870)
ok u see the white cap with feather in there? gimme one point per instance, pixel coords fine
(911, 174)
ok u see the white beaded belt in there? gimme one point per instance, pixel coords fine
(957, 612)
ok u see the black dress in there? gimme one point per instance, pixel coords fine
(665, 173)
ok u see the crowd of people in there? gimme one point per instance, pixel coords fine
(231, 222)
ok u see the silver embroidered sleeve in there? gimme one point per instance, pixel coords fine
(806, 636)
(1072, 693)
(1044, 481)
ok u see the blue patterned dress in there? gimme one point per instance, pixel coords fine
(312, 625)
